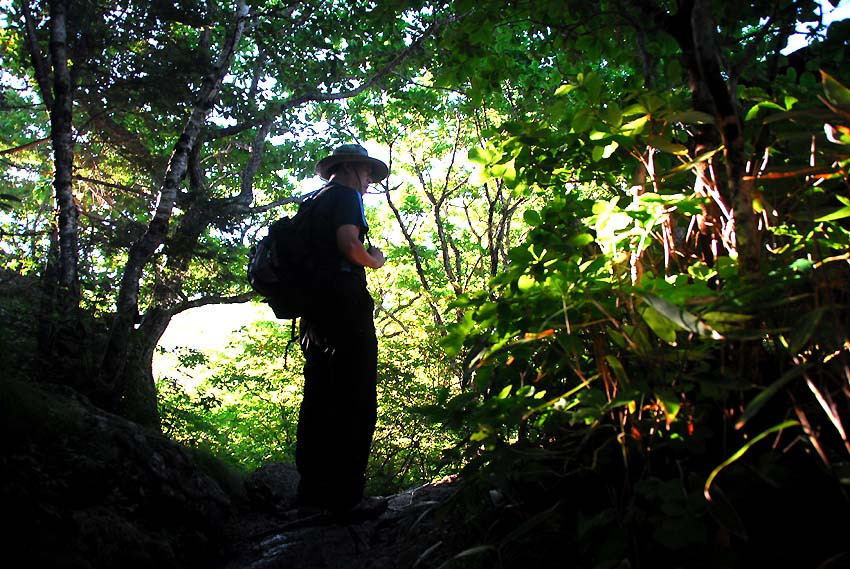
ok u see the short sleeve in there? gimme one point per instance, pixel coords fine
(349, 210)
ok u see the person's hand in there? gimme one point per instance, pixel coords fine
(377, 254)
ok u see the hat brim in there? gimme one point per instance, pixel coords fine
(379, 169)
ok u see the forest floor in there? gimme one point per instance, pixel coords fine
(273, 537)
(88, 489)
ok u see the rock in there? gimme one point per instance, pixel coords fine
(84, 488)
(394, 540)
(272, 487)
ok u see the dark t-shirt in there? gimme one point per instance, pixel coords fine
(334, 206)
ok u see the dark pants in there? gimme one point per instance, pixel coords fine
(339, 409)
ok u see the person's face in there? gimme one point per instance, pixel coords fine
(364, 174)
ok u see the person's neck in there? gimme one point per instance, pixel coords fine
(349, 180)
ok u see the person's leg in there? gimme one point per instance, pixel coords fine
(349, 400)
(339, 406)
(354, 367)
(314, 420)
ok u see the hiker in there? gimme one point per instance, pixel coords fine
(337, 418)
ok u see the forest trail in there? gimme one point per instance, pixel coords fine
(271, 537)
(87, 488)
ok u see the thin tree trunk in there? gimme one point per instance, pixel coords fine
(59, 338)
(63, 158)
(417, 261)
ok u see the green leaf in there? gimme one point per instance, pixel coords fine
(612, 115)
(754, 110)
(526, 282)
(593, 84)
(802, 265)
(804, 329)
(617, 368)
(580, 240)
(609, 149)
(564, 89)
(666, 145)
(596, 155)
(506, 390)
(837, 214)
(765, 395)
(635, 109)
(836, 93)
(531, 217)
(741, 452)
(656, 321)
(680, 317)
(635, 126)
(669, 403)
(480, 155)
(582, 120)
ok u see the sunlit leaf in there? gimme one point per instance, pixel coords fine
(564, 89)
(740, 453)
(526, 282)
(836, 93)
(480, 155)
(609, 149)
(754, 110)
(506, 390)
(596, 155)
(635, 126)
(580, 240)
(666, 145)
(766, 394)
(837, 214)
(680, 317)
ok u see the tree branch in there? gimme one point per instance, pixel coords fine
(142, 250)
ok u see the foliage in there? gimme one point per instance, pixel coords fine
(625, 383)
(241, 404)
(626, 220)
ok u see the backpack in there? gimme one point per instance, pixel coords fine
(280, 264)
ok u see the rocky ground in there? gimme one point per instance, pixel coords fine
(85, 489)
(269, 535)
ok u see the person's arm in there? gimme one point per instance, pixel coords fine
(348, 242)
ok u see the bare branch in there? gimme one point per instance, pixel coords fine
(24, 146)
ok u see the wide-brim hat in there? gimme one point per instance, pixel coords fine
(351, 153)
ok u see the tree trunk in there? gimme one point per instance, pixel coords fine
(694, 30)
(141, 252)
(60, 338)
(138, 400)
(729, 125)
(63, 159)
